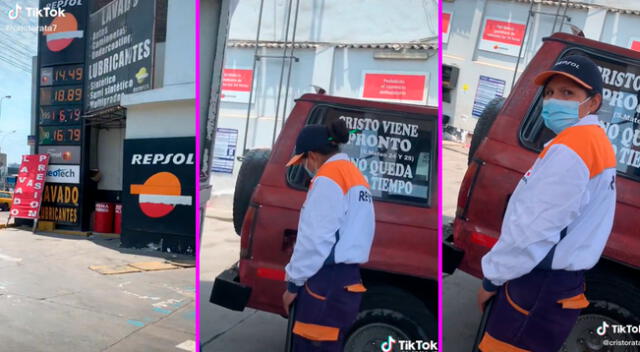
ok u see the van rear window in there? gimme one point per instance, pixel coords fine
(393, 151)
(619, 113)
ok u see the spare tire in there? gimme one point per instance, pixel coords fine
(253, 164)
(484, 124)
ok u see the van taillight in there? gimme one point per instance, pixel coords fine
(482, 240)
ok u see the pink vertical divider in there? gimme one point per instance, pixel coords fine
(197, 175)
(440, 234)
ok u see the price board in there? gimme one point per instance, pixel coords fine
(60, 95)
(61, 75)
(60, 135)
(60, 115)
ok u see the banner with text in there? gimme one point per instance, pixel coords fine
(120, 51)
(27, 195)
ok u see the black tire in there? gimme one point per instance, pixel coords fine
(385, 309)
(613, 299)
(253, 165)
(4, 207)
(484, 124)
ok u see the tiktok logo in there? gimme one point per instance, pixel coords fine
(387, 346)
(15, 13)
(602, 330)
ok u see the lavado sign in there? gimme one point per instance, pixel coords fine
(28, 192)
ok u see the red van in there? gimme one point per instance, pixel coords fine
(508, 138)
(396, 149)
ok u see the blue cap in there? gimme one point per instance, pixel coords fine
(578, 68)
(312, 138)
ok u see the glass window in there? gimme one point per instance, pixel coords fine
(394, 151)
(619, 113)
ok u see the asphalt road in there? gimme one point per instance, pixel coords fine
(461, 316)
(222, 329)
(51, 301)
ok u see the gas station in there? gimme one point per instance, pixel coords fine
(114, 110)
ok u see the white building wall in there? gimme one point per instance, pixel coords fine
(461, 50)
(326, 24)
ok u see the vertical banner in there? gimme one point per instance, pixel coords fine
(502, 36)
(488, 89)
(446, 26)
(29, 187)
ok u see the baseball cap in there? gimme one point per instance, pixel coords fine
(311, 138)
(578, 68)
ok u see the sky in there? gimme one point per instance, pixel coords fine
(17, 45)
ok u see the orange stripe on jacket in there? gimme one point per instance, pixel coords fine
(491, 344)
(344, 173)
(590, 143)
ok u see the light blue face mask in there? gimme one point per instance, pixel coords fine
(560, 114)
(304, 165)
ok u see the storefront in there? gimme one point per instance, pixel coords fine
(97, 74)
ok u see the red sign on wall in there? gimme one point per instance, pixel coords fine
(395, 87)
(27, 195)
(635, 45)
(503, 37)
(236, 84)
(446, 22)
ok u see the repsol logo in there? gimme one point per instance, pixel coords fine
(162, 159)
(63, 173)
(570, 63)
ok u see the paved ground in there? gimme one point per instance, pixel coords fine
(51, 301)
(461, 315)
(222, 329)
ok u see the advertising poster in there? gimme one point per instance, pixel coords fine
(488, 89)
(27, 195)
(120, 51)
(224, 151)
(446, 26)
(634, 44)
(60, 204)
(502, 36)
(159, 186)
(404, 87)
(236, 85)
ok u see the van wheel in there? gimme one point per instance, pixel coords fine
(613, 300)
(389, 311)
(253, 165)
(483, 125)
(4, 207)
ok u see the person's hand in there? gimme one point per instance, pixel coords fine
(287, 299)
(483, 297)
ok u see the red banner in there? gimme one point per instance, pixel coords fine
(504, 32)
(635, 45)
(236, 80)
(27, 195)
(446, 19)
(394, 87)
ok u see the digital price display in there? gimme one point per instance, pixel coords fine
(61, 75)
(60, 95)
(60, 115)
(54, 135)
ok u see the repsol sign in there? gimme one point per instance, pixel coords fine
(162, 159)
(61, 194)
